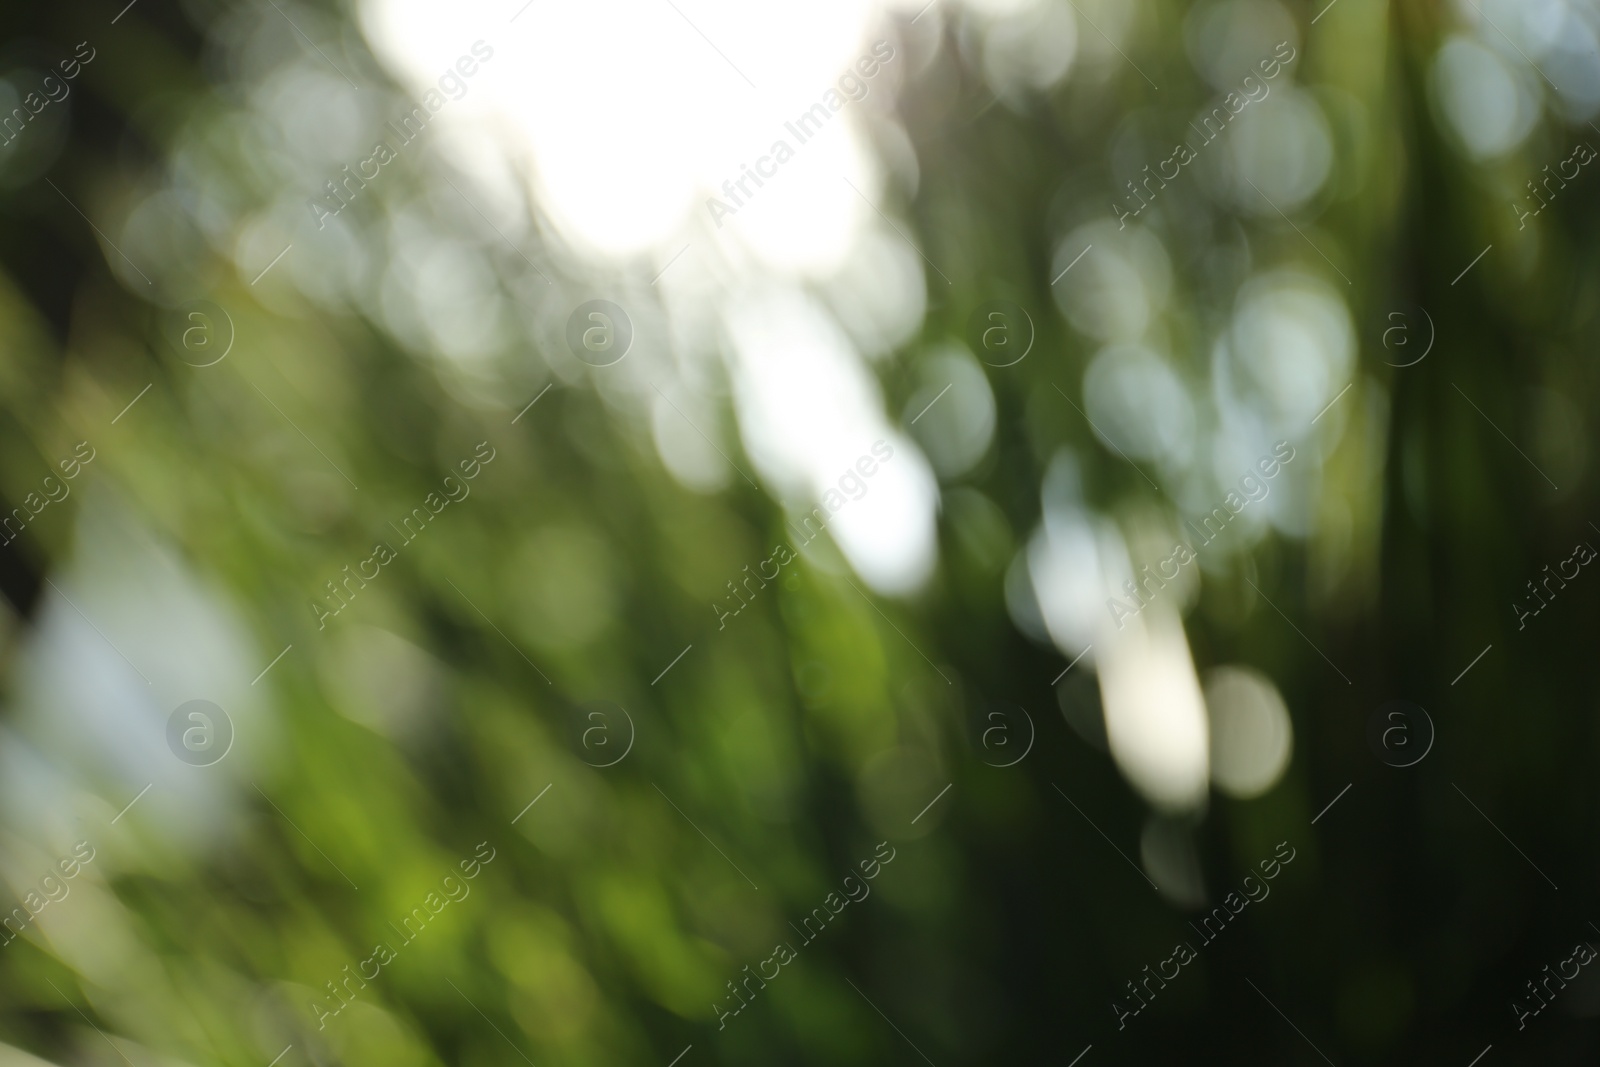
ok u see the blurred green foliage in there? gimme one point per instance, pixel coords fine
(778, 752)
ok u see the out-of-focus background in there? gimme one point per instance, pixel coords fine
(683, 532)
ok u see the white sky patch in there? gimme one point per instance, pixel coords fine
(811, 411)
(624, 117)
